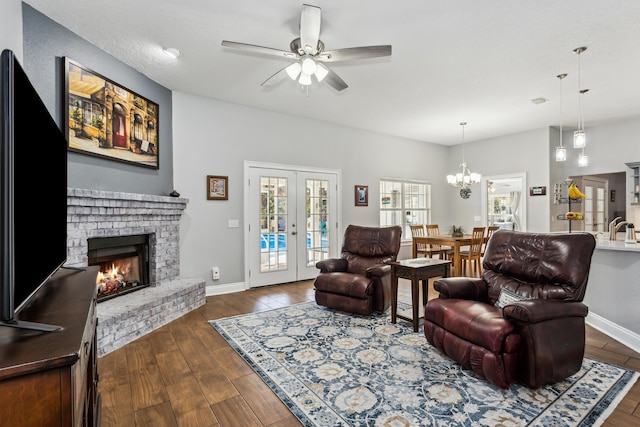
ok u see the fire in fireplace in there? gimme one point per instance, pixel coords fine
(123, 264)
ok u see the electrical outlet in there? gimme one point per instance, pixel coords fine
(215, 273)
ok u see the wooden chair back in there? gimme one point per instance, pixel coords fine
(473, 255)
(422, 248)
(417, 230)
(425, 248)
(433, 230)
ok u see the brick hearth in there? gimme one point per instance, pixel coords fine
(94, 213)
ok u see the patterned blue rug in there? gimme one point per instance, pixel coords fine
(337, 369)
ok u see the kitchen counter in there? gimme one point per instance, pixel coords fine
(617, 245)
(613, 290)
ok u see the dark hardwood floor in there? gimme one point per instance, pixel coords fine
(185, 374)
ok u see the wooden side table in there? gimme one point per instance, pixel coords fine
(416, 270)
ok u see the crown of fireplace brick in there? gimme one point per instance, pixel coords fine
(94, 213)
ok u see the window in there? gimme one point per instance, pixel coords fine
(404, 203)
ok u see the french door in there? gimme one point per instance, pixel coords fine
(292, 223)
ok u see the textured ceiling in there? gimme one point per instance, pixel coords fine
(479, 61)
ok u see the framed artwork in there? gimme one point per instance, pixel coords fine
(105, 119)
(217, 187)
(362, 195)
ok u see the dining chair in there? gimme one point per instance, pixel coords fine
(473, 255)
(445, 251)
(490, 231)
(423, 249)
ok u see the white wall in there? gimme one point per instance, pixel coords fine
(11, 26)
(522, 152)
(215, 138)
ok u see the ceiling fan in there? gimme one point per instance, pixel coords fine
(309, 54)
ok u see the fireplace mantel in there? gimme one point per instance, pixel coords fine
(96, 213)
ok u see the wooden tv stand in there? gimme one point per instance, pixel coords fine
(51, 378)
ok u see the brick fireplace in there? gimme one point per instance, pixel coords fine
(93, 214)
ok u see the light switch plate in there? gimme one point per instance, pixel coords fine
(234, 223)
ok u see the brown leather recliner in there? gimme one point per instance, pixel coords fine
(360, 281)
(538, 337)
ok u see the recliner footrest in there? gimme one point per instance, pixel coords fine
(349, 284)
(476, 322)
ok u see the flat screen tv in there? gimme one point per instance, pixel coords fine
(33, 155)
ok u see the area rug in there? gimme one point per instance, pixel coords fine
(338, 369)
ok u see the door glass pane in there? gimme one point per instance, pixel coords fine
(273, 223)
(317, 230)
(600, 209)
(588, 208)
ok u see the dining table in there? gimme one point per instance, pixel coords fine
(455, 242)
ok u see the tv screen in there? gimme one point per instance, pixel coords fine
(34, 190)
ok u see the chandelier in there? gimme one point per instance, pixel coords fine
(465, 178)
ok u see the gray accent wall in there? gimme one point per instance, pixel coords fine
(46, 43)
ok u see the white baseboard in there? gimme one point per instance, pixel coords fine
(617, 332)
(226, 288)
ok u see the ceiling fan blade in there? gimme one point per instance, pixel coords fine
(349, 53)
(310, 19)
(260, 49)
(277, 77)
(333, 79)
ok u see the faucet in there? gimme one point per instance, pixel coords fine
(613, 227)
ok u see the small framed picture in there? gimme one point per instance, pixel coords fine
(362, 195)
(217, 187)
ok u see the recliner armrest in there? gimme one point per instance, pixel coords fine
(378, 270)
(462, 287)
(332, 265)
(540, 310)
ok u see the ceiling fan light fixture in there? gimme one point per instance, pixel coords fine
(308, 52)
(308, 66)
(293, 70)
(321, 71)
(305, 79)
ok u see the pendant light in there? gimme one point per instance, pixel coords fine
(583, 159)
(465, 178)
(579, 137)
(561, 151)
